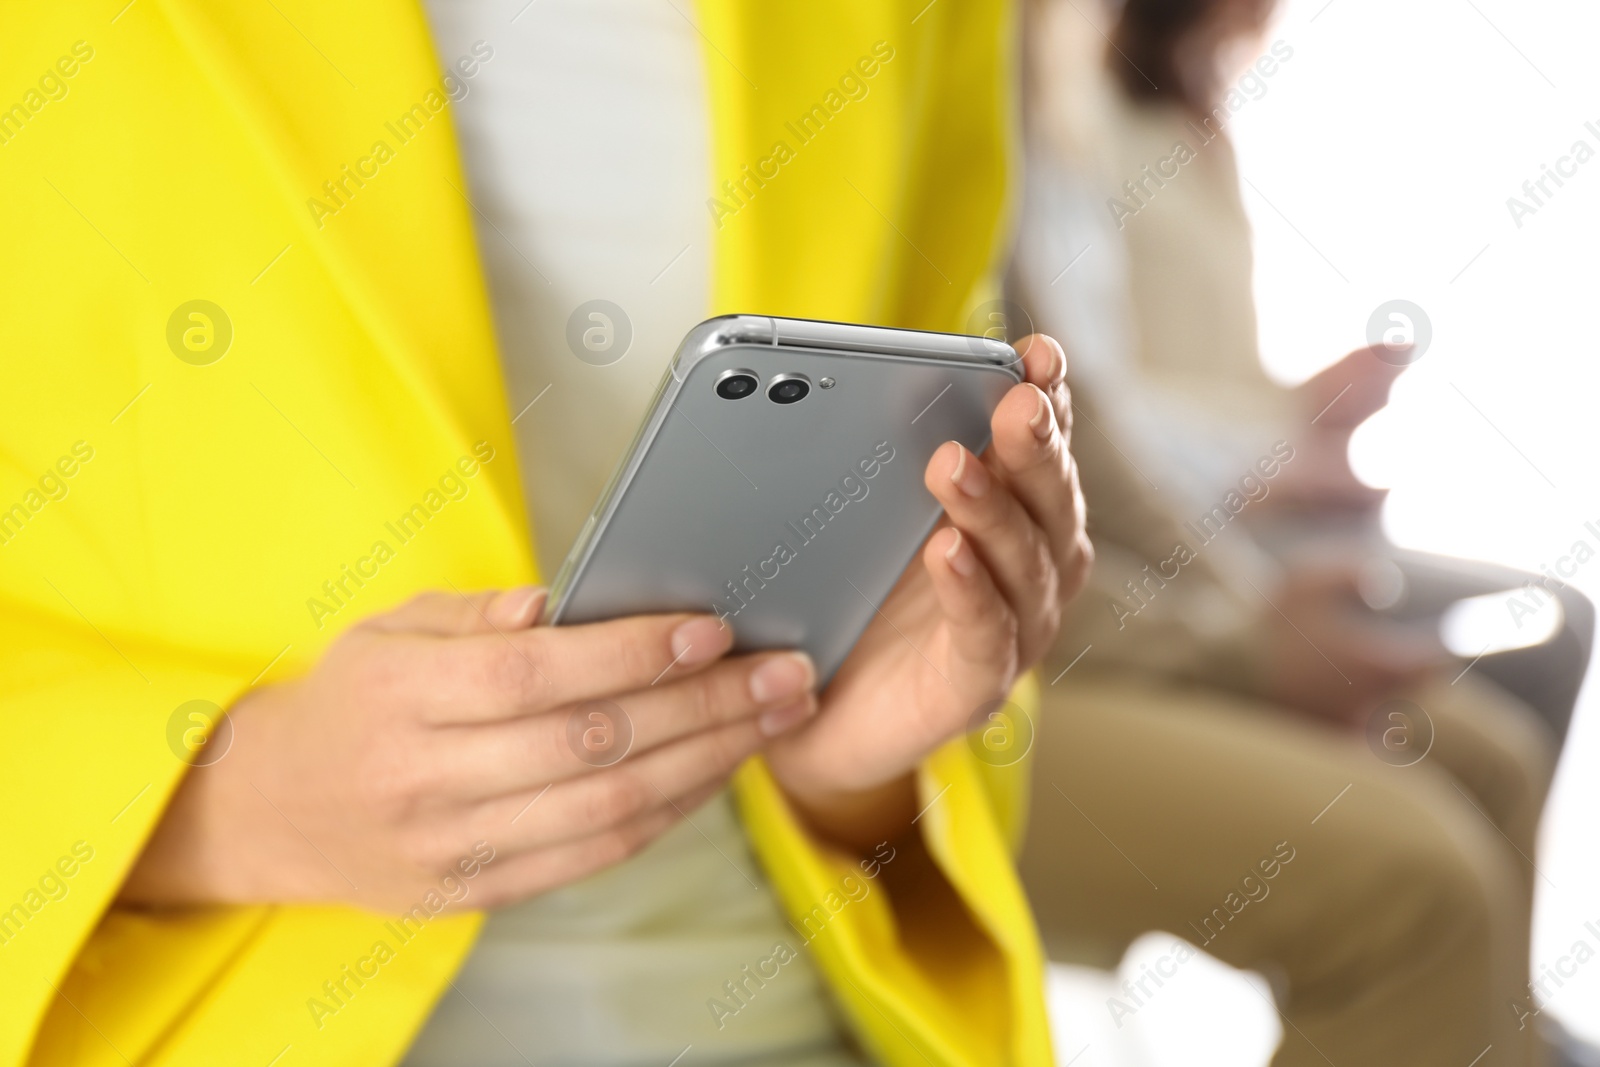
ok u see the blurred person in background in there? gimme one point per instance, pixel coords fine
(1232, 689)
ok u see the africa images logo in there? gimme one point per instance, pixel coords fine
(852, 489)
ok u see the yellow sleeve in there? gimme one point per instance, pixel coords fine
(87, 769)
(170, 512)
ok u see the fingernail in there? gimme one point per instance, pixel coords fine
(780, 720)
(700, 641)
(1041, 424)
(1058, 364)
(782, 677)
(521, 606)
(960, 557)
(971, 478)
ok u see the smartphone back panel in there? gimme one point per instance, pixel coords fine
(792, 521)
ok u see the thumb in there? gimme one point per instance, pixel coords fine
(1324, 579)
(1406, 652)
(1351, 391)
(452, 613)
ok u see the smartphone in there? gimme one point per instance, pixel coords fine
(777, 481)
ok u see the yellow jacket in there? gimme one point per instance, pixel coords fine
(179, 479)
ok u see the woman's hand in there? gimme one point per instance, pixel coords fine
(981, 607)
(1334, 402)
(453, 721)
(1341, 660)
(450, 729)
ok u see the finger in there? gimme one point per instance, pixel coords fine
(1347, 393)
(1014, 548)
(738, 688)
(983, 657)
(496, 759)
(504, 674)
(435, 612)
(1044, 365)
(516, 609)
(1031, 454)
(638, 784)
(452, 613)
(1063, 516)
(513, 878)
(1327, 579)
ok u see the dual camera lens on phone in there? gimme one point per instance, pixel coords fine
(783, 389)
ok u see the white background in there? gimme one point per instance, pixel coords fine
(1391, 142)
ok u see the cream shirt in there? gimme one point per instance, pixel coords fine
(584, 137)
(1153, 300)
(1157, 320)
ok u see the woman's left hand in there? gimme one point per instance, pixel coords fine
(981, 606)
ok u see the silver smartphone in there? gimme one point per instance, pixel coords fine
(778, 479)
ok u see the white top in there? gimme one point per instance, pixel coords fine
(584, 137)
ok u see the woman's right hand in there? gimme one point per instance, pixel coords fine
(453, 720)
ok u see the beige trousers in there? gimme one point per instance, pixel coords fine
(1397, 932)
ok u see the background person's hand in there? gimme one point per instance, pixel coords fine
(448, 722)
(980, 607)
(1333, 657)
(1332, 403)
